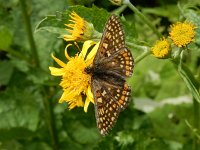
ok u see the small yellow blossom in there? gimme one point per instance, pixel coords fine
(116, 2)
(182, 33)
(79, 29)
(75, 81)
(161, 49)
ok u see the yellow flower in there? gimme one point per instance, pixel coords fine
(182, 33)
(75, 81)
(161, 49)
(79, 29)
(116, 2)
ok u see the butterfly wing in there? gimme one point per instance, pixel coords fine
(111, 96)
(112, 39)
(112, 54)
(120, 64)
(112, 63)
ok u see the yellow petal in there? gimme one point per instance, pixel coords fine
(79, 101)
(93, 52)
(87, 102)
(62, 64)
(66, 54)
(89, 98)
(67, 95)
(90, 94)
(85, 47)
(56, 71)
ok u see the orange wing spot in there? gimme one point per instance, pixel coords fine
(127, 73)
(114, 105)
(123, 97)
(127, 58)
(98, 94)
(125, 54)
(127, 62)
(121, 101)
(127, 68)
(125, 87)
(124, 92)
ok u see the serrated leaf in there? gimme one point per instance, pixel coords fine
(95, 15)
(18, 109)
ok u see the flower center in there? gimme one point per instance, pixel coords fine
(75, 77)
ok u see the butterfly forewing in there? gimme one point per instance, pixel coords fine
(112, 39)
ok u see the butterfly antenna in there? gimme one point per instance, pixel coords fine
(75, 43)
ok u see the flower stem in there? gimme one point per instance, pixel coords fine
(193, 86)
(50, 119)
(142, 56)
(144, 18)
(29, 33)
(120, 9)
(196, 112)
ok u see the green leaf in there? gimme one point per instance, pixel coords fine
(169, 122)
(11, 144)
(194, 17)
(6, 70)
(169, 11)
(189, 79)
(81, 135)
(55, 23)
(19, 109)
(15, 133)
(6, 38)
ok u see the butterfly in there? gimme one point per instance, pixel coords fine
(112, 64)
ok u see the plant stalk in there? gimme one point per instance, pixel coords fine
(50, 119)
(143, 17)
(120, 9)
(30, 33)
(142, 56)
(193, 86)
(196, 112)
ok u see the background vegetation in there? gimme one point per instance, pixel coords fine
(162, 114)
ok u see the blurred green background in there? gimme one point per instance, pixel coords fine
(160, 115)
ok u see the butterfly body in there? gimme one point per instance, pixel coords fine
(112, 64)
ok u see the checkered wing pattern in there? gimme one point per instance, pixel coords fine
(121, 63)
(111, 97)
(112, 64)
(112, 39)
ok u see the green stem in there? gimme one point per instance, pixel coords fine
(144, 18)
(193, 86)
(196, 112)
(50, 119)
(30, 34)
(119, 9)
(142, 56)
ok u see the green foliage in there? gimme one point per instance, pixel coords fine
(161, 114)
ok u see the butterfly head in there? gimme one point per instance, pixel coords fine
(89, 69)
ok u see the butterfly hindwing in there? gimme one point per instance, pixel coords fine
(111, 97)
(120, 63)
